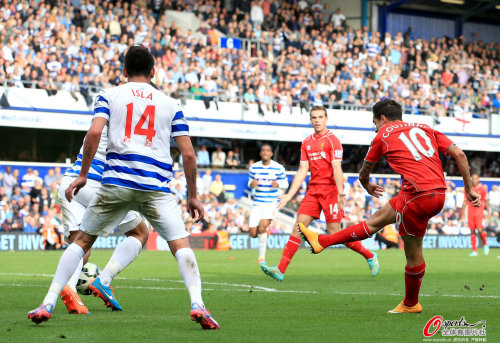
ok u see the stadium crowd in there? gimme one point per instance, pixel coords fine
(300, 54)
(29, 203)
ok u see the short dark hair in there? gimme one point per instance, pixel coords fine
(267, 144)
(389, 108)
(319, 108)
(139, 61)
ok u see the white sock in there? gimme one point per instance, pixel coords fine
(76, 275)
(67, 264)
(190, 273)
(262, 245)
(123, 255)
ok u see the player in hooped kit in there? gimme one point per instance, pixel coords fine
(266, 179)
(321, 153)
(475, 216)
(412, 150)
(141, 121)
(132, 226)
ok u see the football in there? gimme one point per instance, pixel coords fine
(89, 272)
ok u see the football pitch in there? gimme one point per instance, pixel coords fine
(325, 298)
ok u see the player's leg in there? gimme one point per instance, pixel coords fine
(370, 257)
(385, 216)
(136, 231)
(412, 222)
(473, 239)
(483, 235)
(104, 213)
(125, 253)
(262, 230)
(253, 222)
(161, 210)
(414, 273)
(291, 247)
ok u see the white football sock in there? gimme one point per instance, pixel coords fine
(123, 255)
(188, 268)
(262, 245)
(76, 275)
(67, 264)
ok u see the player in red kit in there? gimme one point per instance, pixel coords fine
(475, 216)
(321, 153)
(412, 150)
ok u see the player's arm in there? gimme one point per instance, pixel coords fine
(90, 146)
(338, 175)
(463, 166)
(281, 181)
(364, 178)
(252, 182)
(189, 160)
(296, 183)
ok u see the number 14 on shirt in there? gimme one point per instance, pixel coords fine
(149, 114)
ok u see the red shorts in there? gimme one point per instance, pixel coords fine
(414, 210)
(475, 221)
(322, 197)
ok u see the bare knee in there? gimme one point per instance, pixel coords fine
(140, 233)
(178, 244)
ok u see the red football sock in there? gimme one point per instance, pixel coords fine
(413, 280)
(353, 233)
(473, 241)
(483, 238)
(360, 249)
(291, 248)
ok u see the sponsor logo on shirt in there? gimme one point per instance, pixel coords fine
(338, 153)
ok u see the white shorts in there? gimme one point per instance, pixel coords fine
(112, 203)
(73, 211)
(261, 211)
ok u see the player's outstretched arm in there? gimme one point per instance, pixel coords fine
(463, 166)
(296, 183)
(364, 178)
(189, 160)
(90, 146)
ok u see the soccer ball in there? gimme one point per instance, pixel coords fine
(89, 272)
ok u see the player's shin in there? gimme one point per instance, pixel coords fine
(262, 246)
(473, 241)
(353, 233)
(124, 254)
(413, 280)
(76, 275)
(68, 263)
(291, 248)
(188, 267)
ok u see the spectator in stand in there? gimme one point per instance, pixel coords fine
(28, 181)
(203, 157)
(50, 181)
(218, 158)
(9, 181)
(338, 19)
(494, 197)
(29, 225)
(231, 161)
(217, 188)
(207, 179)
(35, 192)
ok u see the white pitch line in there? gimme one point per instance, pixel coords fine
(248, 288)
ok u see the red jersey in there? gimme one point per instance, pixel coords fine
(321, 151)
(411, 150)
(472, 211)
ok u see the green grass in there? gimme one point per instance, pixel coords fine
(334, 298)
